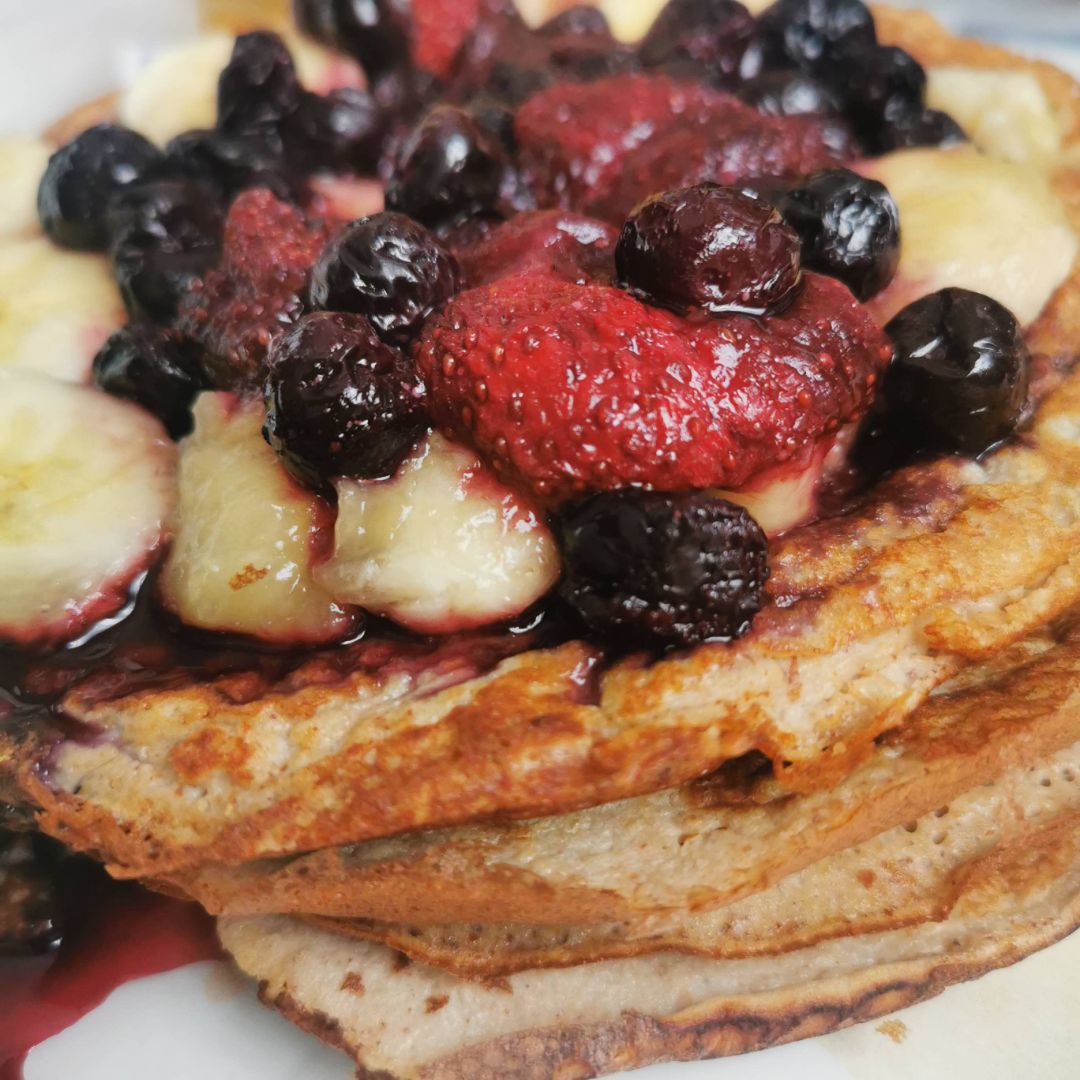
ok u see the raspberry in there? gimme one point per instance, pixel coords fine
(438, 28)
(236, 311)
(670, 569)
(572, 388)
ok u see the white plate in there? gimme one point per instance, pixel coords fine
(204, 1022)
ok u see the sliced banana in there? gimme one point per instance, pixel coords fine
(178, 90)
(441, 546)
(246, 537)
(86, 484)
(22, 161)
(1005, 113)
(57, 308)
(973, 221)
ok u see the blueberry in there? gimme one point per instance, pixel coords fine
(81, 178)
(920, 127)
(342, 130)
(809, 35)
(580, 20)
(154, 369)
(881, 85)
(451, 168)
(790, 93)
(708, 247)
(584, 58)
(387, 268)
(653, 568)
(714, 33)
(849, 227)
(495, 117)
(258, 87)
(959, 376)
(164, 235)
(375, 32)
(341, 402)
(231, 162)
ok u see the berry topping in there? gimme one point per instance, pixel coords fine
(83, 176)
(810, 35)
(151, 367)
(652, 568)
(570, 388)
(712, 33)
(342, 130)
(375, 32)
(850, 229)
(438, 28)
(581, 20)
(231, 162)
(496, 118)
(258, 87)
(921, 127)
(960, 376)
(340, 402)
(708, 247)
(563, 243)
(883, 84)
(237, 310)
(789, 93)
(387, 268)
(164, 235)
(451, 168)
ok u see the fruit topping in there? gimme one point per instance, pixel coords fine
(237, 310)
(86, 484)
(711, 33)
(258, 88)
(151, 367)
(341, 402)
(231, 162)
(375, 32)
(246, 536)
(652, 568)
(387, 268)
(559, 241)
(810, 35)
(342, 130)
(849, 226)
(580, 20)
(959, 379)
(790, 93)
(708, 247)
(438, 28)
(922, 127)
(451, 168)
(164, 234)
(885, 84)
(441, 546)
(83, 175)
(570, 388)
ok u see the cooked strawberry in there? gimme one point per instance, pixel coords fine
(574, 388)
(236, 311)
(568, 244)
(438, 28)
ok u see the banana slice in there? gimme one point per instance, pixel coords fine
(977, 222)
(56, 308)
(1005, 113)
(178, 91)
(441, 546)
(86, 483)
(22, 161)
(246, 536)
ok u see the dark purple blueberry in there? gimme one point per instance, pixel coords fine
(849, 227)
(451, 168)
(652, 568)
(151, 367)
(258, 87)
(790, 93)
(387, 268)
(375, 32)
(342, 130)
(581, 19)
(495, 117)
(921, 127)
(341, 402)
(83, 176)
(708, 247)
(231, 162)
(880, 85)
(502, 56)
(809, 35)
(714, 33)
(575, 56)
(959, 376)
(164, 234)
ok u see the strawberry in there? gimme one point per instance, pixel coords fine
(237, 310)
(438, 28)
(571, 388)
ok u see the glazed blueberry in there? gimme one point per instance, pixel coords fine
(451, 168)
(881, 85)
(708, 247)
(809, 35)
(83, 176)
(258, 87)
(959, 377)
(387, 268)
(713, 33)
(341, 402)
(344, 129)
(375, 32)
(164, 235)
(849, 227)
(581, 20)
(151, 367)
(920, 127)
(231, 162)
(789, 93)
(495, 117)
(651, 568)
